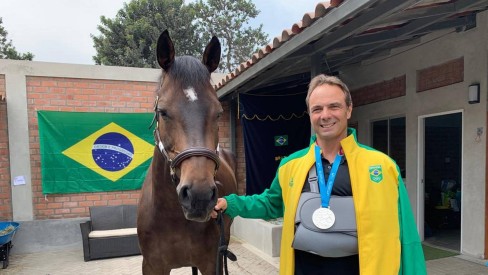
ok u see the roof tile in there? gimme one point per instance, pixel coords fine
(321, 9)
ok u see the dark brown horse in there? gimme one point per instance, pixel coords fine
(188, 170)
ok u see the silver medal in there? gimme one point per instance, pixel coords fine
(323, 218)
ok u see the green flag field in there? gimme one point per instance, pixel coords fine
(94, 152)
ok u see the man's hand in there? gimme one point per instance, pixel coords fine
(221, 205)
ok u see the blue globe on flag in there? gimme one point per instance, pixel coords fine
(112, 151)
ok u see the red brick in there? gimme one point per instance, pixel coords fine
(70, 204)
(61, 199)
(100, 203)
(380, 91)
(115, 202)
(93, 197)
(445, 74)
(87, 203)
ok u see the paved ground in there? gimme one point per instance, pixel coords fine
(249, 261)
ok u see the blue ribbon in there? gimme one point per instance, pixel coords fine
(325, 194)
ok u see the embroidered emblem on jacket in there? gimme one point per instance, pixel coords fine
(376, 173)
(291, 182)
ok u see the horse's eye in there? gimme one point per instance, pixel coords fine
(163, 113)
(219, 114)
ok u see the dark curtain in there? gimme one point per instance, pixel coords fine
(273, 127)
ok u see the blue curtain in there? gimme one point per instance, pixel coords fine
(273, 128)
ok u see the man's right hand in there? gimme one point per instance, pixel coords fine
(221, 205)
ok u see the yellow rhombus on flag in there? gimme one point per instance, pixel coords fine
(82, 152)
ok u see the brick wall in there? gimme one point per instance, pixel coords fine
(224, 139)
(86, 95)
(224, 127)
(241, 159)
(380, 91)
(80, 95)
(5, 190)
(440, 75)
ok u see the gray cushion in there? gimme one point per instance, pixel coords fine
(113, 217)
(130, 216)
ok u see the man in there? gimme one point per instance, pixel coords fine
(388, 241)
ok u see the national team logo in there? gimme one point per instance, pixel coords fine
(376, 173)
(112, 151)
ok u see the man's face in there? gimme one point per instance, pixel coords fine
(329, 112)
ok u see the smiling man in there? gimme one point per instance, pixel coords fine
(345, 206)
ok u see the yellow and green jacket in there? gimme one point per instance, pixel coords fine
(388, 241)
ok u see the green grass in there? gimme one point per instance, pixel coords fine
(432, 253)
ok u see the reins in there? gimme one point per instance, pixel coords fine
(223, 252)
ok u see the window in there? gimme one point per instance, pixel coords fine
(389, 137)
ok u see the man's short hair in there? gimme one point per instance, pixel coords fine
(322, 79)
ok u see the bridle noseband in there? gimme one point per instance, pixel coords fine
(181, 156)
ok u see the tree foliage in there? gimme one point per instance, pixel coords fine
(229, 21)
(130, 38)
(7, 50)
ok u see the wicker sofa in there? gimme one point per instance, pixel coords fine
(110, 232)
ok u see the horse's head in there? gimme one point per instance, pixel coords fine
(187, 112)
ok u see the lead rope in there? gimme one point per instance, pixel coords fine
(223, 251)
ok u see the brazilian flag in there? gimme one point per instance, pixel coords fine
(94, 152)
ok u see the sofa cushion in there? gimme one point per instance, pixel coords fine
(113, 233)
(130, 216)
(113, 217)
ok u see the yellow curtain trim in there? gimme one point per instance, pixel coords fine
(280, 117)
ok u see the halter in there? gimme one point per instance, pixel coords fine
(187, 153)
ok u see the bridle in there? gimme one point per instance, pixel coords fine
(183, 155)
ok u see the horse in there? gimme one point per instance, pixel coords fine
(188, 171)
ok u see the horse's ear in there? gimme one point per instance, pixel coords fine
(211, 56)
(165, 51)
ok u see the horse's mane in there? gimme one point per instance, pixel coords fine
(189, 71)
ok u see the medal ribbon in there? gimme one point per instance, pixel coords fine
(326, 191)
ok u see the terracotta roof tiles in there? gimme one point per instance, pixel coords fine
(321, 9)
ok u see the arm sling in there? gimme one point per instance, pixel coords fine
(337, 238)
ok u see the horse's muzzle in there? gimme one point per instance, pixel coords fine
(197, 203)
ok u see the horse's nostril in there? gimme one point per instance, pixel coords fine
(214, 194)
(198, 197)
(185, 193)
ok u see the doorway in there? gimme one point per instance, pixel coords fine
(442, 163)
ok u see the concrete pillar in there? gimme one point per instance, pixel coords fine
(18, 135)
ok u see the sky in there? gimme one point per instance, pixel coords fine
(60, 30)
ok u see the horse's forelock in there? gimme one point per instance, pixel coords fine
(189, 72)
